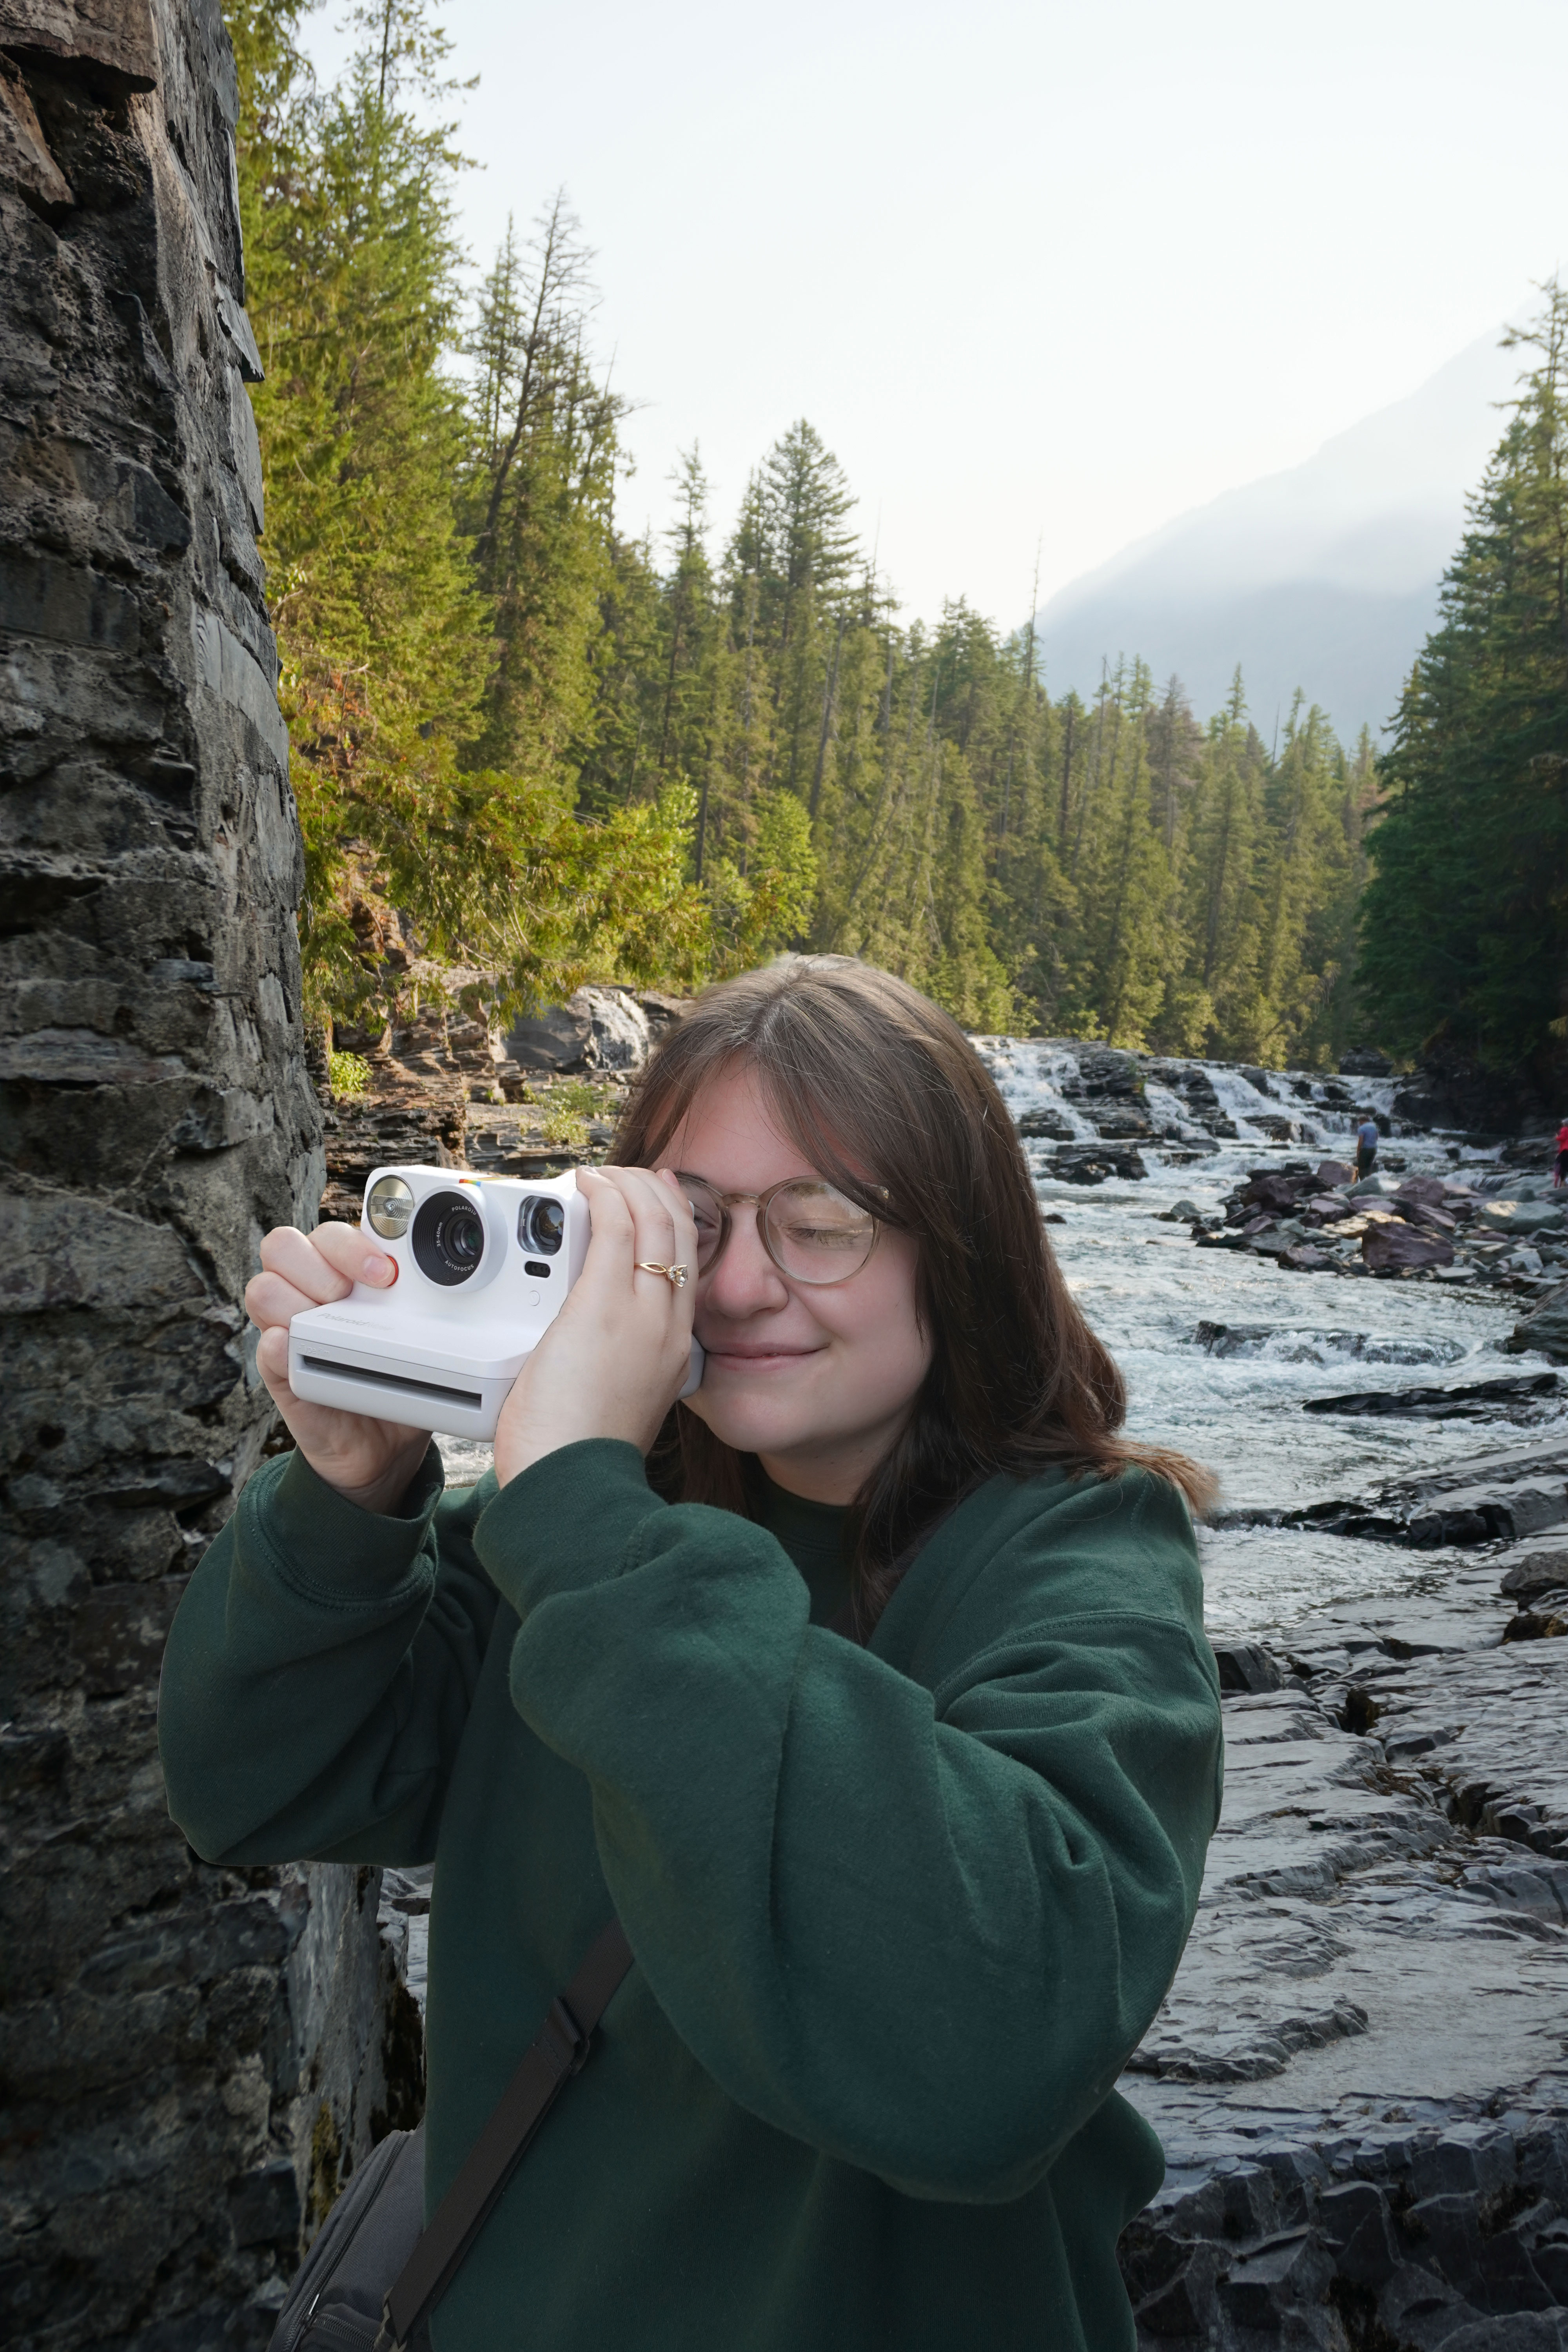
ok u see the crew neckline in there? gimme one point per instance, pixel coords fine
(813, 1535)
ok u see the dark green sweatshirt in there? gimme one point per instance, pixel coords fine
(899, 1913)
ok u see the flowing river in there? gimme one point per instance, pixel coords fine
(1145, 1288)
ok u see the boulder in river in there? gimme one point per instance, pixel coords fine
(1270, 1191)
(1291, 1346)
(1429, 1189)
(1424, 1217)
(1096, 1163)
(1513, 1217)
(1538, 1572)
(1306, 1258)
(1545, 1327)
(1034, 1124)
(1391, 1245)
(1333, 1175)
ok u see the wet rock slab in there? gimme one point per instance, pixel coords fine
(1466, 1400)
(1361, 2074)
(1513, 1492)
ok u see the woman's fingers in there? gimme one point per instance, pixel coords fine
(618, 1355)
(353, 1254)
(271, 1303)
(639, 1221)
(685, 1221)
(302, 1270)
(662, 1233)
(324, 1263)
(612, 1249)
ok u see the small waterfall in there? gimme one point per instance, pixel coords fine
(1031, 1073)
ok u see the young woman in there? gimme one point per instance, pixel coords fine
(869, 1687)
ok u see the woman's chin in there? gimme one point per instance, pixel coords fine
(750, 1424)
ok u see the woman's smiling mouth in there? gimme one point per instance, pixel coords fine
(755, 1359)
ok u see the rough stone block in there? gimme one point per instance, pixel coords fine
(177, 2038)
(263, 2207)
(1357, 2224)
(1245, 1667)
(1267, 2281)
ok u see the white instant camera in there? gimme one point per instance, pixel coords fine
(483, 1267)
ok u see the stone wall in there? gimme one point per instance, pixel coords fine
(191, 2058)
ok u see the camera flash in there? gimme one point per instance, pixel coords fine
(389, 1204)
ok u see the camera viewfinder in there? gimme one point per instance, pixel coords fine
(542, 1225)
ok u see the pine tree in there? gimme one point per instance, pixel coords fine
(1302, 867)
(1221, 923)
(1466, 916)
(538, 499)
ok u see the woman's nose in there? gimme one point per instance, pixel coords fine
(745, 1281)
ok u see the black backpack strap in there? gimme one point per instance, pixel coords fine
(557, 2053)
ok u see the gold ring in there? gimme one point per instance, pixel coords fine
(674, 1275)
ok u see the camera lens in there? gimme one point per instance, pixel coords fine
(449, 1238)
(388, 1206)
(542, 1224)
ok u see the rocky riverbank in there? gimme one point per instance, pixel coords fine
(1359, 2075)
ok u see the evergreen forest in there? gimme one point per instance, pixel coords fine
(543, 751)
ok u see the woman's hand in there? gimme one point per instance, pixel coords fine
(619, 1352)
(370, 1462)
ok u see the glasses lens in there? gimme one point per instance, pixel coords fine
(708, 1218)
(818, 1234)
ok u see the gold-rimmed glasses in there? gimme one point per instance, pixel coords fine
(813, 1233)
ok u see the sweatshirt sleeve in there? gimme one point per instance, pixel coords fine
(319, 1671)
(919, 1929)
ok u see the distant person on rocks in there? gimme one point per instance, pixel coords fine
(1560, 1175)
(867, 1687)
(1365, 1149)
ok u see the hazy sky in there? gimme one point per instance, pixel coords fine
(1035, 273)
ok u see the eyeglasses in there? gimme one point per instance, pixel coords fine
(812, 1232)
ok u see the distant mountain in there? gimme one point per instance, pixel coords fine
(1324, 577)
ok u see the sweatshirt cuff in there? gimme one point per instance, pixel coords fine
(328, 1548)
(566, 1522)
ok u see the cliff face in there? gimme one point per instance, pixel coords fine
(190, 2057)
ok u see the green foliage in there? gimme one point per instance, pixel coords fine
(348, 1074)
(431, 708)
(561, 755)
(1466, 910)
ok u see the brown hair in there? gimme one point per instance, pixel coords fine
(881, 1088)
